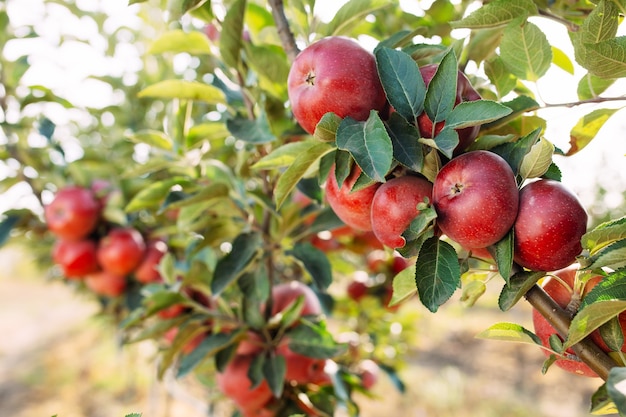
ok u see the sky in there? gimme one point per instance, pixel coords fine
(66, 69)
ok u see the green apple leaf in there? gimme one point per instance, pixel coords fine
(403, 286)
(591, 86)
(255, 287)
(509, 332)
(245, 248)
(472, 113)
(206, 349)
(154, 194)
(604, 234)
(402, 82)
(351, 13)
(519, 105)
(612, 334)
(326, 128)
(231, 40)
(315, 262)
(525, 50)
(591, 317)
(587, 128)
(313, 340)
(271, 65)
(274, 369)
(601, 403)
(472, 291)
(296, 171)
(497, 13)
(515, 152)
(6, 226)
(517, 287)
(200, 132)
(210, 192)
(503, 250)
(437, 273)
(404, 138)
(612, 256)
(483, 44)
(616, 388)
(601, 24)
(499, 76)
(369, 144)
(284, 155)
(537, 161)
(255, 131)
(486, 142)
(177, 40)
(561, 60)
(441, 92)
(446, 141)
(181, 89)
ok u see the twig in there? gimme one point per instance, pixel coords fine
(581, 102)
(284, 32)
(571, 26)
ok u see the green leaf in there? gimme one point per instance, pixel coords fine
(525, 51)
(404, 139)
(188, 90)
(606, 59)
(369, 144)
(245, 248)
(537, 161)
(472, 113)
(403, 286)
(509, 332)
(297, 170)
(437, 273)
(519, 105)
(255, 286)
(499, 76)
(601, 24)
(6, 225)
(274, 370)
(472, 292)
(446, 141)
(255, 131)
(326, 128)
(231, 39)
(616, 388)
(504, 255)
(402, 82)
(612, 334)
(194, 43)
(517, 287)
(351, 13)
(612, 257)
(315, 262)
(208, 347)
(153, 195)
(483, 43)
(604, 234)
(441, 91)
(561, 60)
(206, 131)
(153, 138)
(515, 152)
(497, 13)
(284, 155)
(313, 341)
(591, 86)
(587, 128)
(127, 415)
(601, 403)
(207, 193)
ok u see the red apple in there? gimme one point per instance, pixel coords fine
(235, 384)
(73, 213)
(106, 283)
(549, 226)
(76, 258)
(394, 206)
(369, 372)
(357, 289)
(147, 271)
(476, 198)
(464, 92)
(302, 369)
(352, 207)
(336, 75)
(121, 250)
(283, 295)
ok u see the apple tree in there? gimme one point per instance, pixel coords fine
(267, 175)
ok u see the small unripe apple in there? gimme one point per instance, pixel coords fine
(334, 74)
(476, 199)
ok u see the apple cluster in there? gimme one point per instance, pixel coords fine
(89, 249)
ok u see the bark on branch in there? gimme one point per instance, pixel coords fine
(284, 31)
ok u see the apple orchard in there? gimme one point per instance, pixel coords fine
(263, 169)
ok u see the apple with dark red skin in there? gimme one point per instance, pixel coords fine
(394, 206)
(357, 289)
(464, 92)
(334, 74)
(562, 293)
(106, 283)
(73, 213)
(302, 369)
(369, 372)
(77, 258)
(550, 223)
(352, 207)
(147, 271)
(476, 198)
(235, 384)
(121, 250)
(283, 295)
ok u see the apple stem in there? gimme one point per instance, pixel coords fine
(586, 349)
(284, 32)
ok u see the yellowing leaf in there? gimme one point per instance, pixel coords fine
(195, 43)
(587, 128)
(538, 160)
(561, 60)
(181, 89)
(509, 332)
(403, 286)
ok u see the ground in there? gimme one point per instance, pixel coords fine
(57, 357)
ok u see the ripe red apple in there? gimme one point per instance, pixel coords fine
(369, 372)
(394, 206)
(73, 213)
(476, 198)
(357, 289)
(77, 258)
(121, 250)
(235, 384)
(549, 226)
(302, 369)
(147, 271)
(334, 74)
(464, 92)
(283, 295)
(352, 207)
(172, 311)
(561, 293)
(106, 283)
